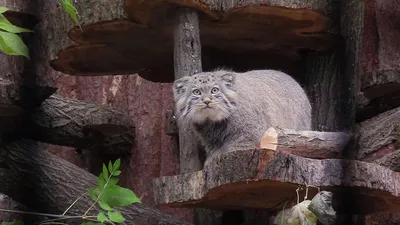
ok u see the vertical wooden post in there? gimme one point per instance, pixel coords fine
(187, 61)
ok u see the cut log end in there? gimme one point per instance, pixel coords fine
(309, 144)
(235, 180)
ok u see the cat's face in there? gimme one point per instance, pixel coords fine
(205, 96)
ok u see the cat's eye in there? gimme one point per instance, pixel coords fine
(214, 90)
(196, 92)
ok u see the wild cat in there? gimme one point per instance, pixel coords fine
(231, 111)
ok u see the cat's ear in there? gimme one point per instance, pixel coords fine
(180, 86)
(228, 79)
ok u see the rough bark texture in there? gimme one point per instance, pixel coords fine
(154, 153)
(73, 123)
(309, 144)
(239, 179)
(379, 58)
(377, 137)
(248, 45)
(47, 183)
(187, 61)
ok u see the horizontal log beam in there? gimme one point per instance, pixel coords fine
(309, 144)
(39, 115)
(46, 183)
(376, 137)
(73, 123)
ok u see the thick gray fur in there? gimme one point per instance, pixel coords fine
(243, 108)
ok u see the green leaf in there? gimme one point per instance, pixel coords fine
(90, 223)
(8, 26)
(116, 217)
(12, 44)
(92, 194)
(110, 167)
(101, 182)
(70, 9)
(117, 163)
(3, 10)
(101, 217)
(116, 173)
(105, 172)
(112, 181)
(118, 196)
(104, 206)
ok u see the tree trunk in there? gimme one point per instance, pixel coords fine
(187, 61)
(49, 184)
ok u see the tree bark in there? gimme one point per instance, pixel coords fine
(187, 61)
(49, 184)
(309, 144)
(73, 123)
(239, 179)
(377, 137)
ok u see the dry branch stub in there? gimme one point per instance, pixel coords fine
(241, 29)
(267, 179)
(69, 122)
(46, 183)
(309, 144)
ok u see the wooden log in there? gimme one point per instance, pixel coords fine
(69, 122)
(378, 64)
(248, 23)
(257, 178)
(309, 144)
(49, 184)
(187, 61)
(378, 136)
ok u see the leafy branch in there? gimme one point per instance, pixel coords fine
(12, 44)
(107, 195)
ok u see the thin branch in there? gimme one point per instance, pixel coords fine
(30, 213)
(73, 203)
(52, 221)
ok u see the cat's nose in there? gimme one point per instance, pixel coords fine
(207, 101)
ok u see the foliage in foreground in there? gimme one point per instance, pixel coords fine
(107, 195)
(12, 44)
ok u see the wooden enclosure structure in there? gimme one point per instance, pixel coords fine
(113, 84)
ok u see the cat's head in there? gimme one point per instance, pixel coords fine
(205, 96)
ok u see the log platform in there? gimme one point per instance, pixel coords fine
(106, 47)
(268, 177)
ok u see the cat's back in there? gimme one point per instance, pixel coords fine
(276, 94)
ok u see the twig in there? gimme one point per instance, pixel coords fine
(52, 221)
(73, 203)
